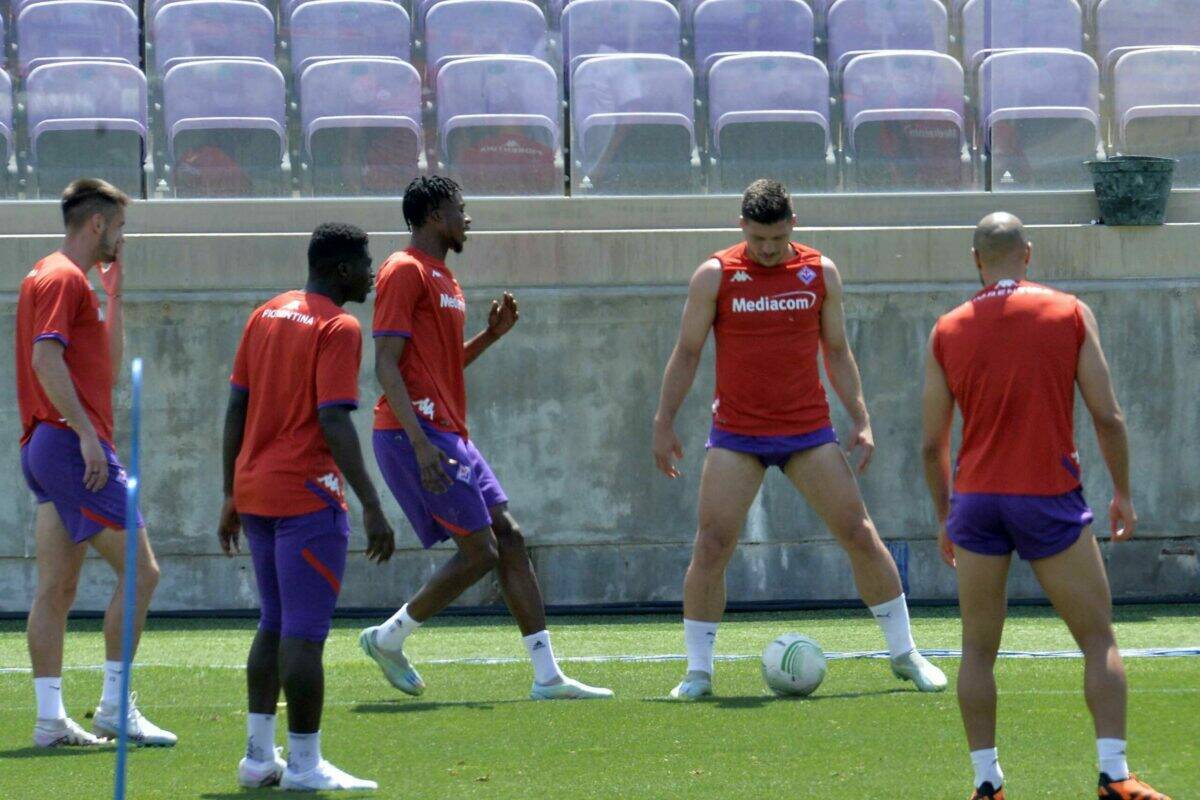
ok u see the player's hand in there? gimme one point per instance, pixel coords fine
(228, 528)
(862, 442)
(433, 463)
(503, 316)
(946, 547)
(381, 540)
(95, 461)
(1122, 517)
(667, 450)
(112, 276)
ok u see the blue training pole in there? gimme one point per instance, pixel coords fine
(131, 549)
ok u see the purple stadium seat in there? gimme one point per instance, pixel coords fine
(1156, 107)
(903, 120)
(212, 29)
(768, 114)
(288, 7)
(499, 124)
(1122, 24)
(76, 29)
(361, 119)
(334, 28)
(603, 27)
(864, 25)
(687, 12)
(1037, 23)
(633, 120)
(86, 118)
(225, 123)
(154, 6)
(483, 27)
(724, 27)
(6, 129)
(551, 11)
(1039, 118)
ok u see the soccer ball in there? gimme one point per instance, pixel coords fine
(793, 665)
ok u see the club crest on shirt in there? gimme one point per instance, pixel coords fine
(464, 473)
(807, 275)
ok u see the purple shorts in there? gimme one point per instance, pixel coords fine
(772, 451)
(53, 468)
(298, 564)
(1035, 526)
(462, 509)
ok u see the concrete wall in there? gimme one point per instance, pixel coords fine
(562, 407)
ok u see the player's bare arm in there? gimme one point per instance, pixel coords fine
(698, 314)
(841, 367)
(230, 525)
(937, 412)
(1095, 384)
(52, 373)
(502, 317)
(112, 279)
(388, 350)
(339, 433)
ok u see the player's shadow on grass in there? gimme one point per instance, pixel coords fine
(254, 794)
(758, 701)
(57, 752)
(404, 707)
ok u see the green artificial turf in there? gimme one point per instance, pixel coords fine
(474, 734)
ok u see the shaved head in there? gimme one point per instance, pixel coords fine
(1000, 239)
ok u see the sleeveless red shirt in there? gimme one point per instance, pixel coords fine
(1010, 356)
(768, 334)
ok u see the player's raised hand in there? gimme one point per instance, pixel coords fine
(946, 548)
(862, 442)
(228, 529)
(433, 463)
(112, 276)
(667, 450)
(95, 461)
(381, 540)
(504, 315)
(1123, 519)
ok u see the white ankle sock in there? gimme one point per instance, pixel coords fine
(110, 695)
(1112, 758)
(987, 768)
(392, 633)
(545, 668)
(49, 698)
(892, 617)
(260, 737)
(701, 640)
(304, 751)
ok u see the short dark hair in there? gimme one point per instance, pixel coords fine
(766, 202)
(334, 243)
(88, 196)
(424, 195)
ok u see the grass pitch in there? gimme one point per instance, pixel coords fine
(475, 735)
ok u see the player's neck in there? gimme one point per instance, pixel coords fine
(429, 243)
(333, 293)
(81, 255)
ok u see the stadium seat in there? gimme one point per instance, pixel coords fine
(551, 11)
(86, 118)
(6, 134)
(725, 27)
(633, 121)
(483, 27)
(768, 114)
(76, 29)
(212, 29)
(499, 123)
(334, 28)
(225, 124)
(602, 27)
(361, 119)
(1122, 25)
(857, 26)
(903, 121)
(17, 6)
(687, 13)
(1039, 118)
(1157, 107)
(1037, 23)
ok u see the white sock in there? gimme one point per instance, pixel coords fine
(987, 768)
(110, 695)
(49, 698)
(1112, 758)
(304, 751)
(701, 640)
(892, 617)
(545, 668)
(392, 633)
(260, 737)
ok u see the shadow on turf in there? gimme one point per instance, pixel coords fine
(405, 707)
(758, 701)
(57, 752)
(251, 794)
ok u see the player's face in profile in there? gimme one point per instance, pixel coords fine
(768, 244)
(111, 235)
(359, 278)
(455, 222)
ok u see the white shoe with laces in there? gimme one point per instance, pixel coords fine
(141, 731)
(260, 774)
(324, 777)
(912, 666)
(399, 672)
(694, 686)
(64, 732)
(569, 689)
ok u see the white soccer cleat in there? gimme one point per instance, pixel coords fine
(396, 668)
(64, 733)
(912, 666)
(260, 774)
(140, 730)
(569, 689)
(694, 686)
(324, 777)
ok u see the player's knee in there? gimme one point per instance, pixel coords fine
(485, 555)
(57, 595)
(509, 535)
(860, 536)
(714, 547)
(147, 578)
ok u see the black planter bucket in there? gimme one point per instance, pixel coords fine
(1132, 190)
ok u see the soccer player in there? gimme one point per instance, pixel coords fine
(1010, 358)
(442, 482)
(289, 441)
(68, 356)
(774, 306)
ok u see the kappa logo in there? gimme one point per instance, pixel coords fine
(330, 481)
(425, 406)
(292, 306)
(807, 275)
(32, 273)
(788, 301)
(741, 277)
(437, 274)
